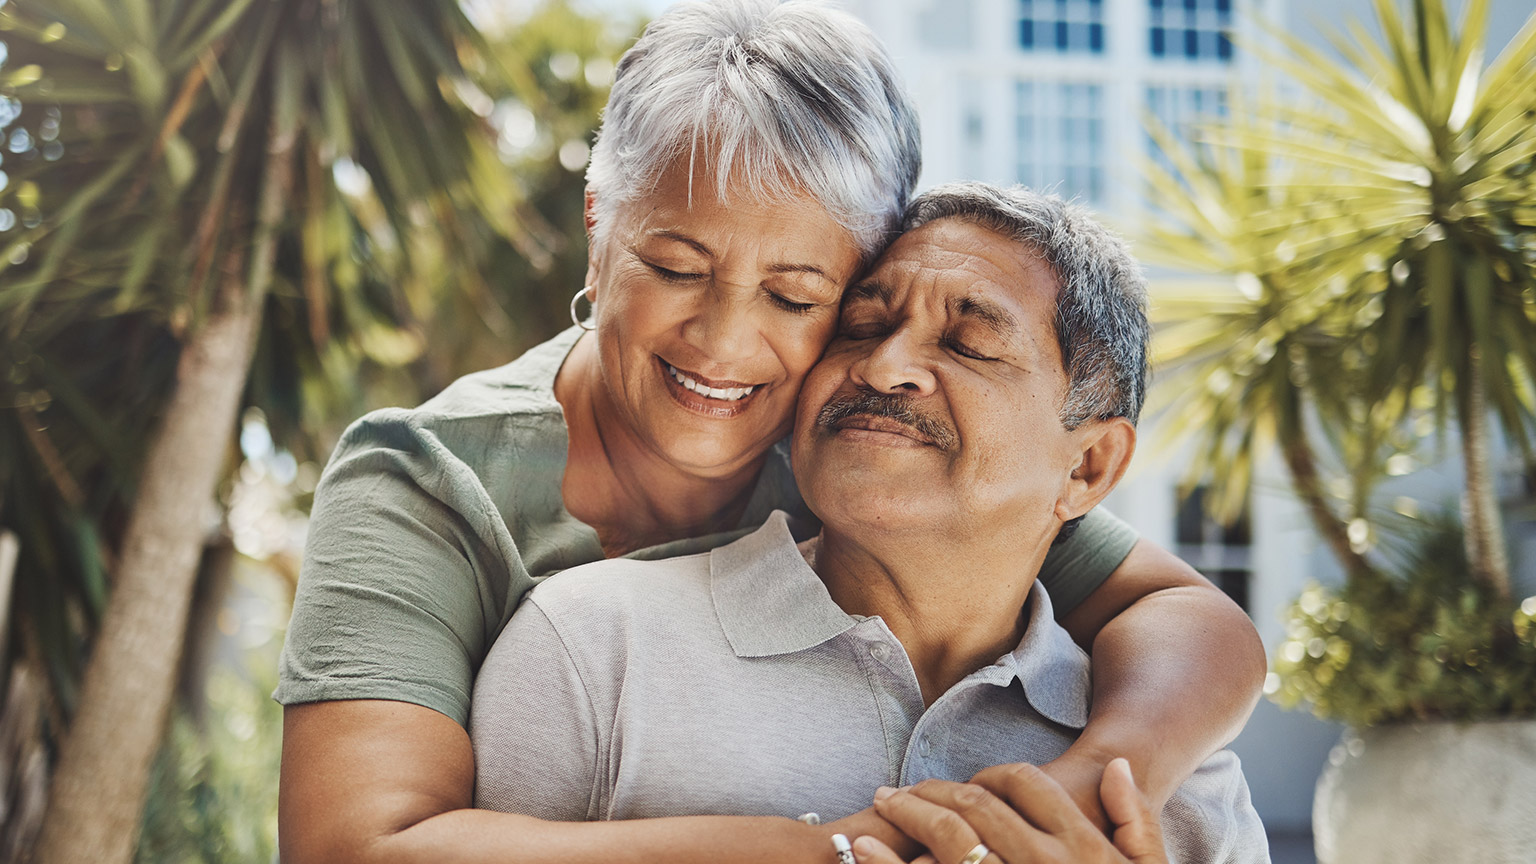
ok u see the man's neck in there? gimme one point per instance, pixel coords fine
(956, 608)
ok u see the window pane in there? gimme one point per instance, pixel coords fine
(1062, 25)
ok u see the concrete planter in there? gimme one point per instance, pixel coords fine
(1437, 793)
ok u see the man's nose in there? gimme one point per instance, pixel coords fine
(897, 364)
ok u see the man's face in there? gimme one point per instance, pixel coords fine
(936, 404)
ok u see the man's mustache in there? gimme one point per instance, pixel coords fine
(902, 409)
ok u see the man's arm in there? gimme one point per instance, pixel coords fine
(378, 782)
(1177, 670)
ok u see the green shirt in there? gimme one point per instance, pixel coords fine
(431, 524)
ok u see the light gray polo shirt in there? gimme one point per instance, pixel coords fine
(730, 683)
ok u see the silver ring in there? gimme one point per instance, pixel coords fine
(575, 318)
(843, 848)
(978, 852)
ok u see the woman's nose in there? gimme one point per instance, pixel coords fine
(721, 328)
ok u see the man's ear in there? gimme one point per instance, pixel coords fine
(1107, 446)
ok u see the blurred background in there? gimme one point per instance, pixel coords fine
(314, 208)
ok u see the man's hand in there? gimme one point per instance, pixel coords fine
(1017, 814)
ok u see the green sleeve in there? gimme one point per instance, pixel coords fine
(1076, 568)
(408, 574)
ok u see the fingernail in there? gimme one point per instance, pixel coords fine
(1123, 765)
(864, 845)
(884, 792)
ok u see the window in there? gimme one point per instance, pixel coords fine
(1192, 29)
(1062, 25)
(1180, 110)
(1222, 552)
(1059, 129)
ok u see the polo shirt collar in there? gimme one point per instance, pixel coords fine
(769, 601)
(1050, 667)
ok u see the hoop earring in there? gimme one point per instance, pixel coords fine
(576, 318)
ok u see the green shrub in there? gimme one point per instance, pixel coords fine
(1425, 644)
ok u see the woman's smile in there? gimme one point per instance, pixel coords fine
(711, 397)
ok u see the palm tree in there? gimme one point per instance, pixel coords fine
(1390, 229)
(181, 169)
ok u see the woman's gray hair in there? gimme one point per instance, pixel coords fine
(783, 99)
(1101, 304)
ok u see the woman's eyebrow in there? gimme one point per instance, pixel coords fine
(680, 237)
(799, 268)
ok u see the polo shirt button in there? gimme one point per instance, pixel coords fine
(880, 651)
(924, 746)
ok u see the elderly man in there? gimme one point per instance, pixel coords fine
(980, 397)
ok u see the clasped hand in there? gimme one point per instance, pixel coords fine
(1017, 814)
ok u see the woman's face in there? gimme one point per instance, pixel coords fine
(710, 314)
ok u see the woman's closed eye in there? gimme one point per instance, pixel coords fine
(789, 305)
(674, 275)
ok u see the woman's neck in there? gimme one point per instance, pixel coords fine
(631, 496)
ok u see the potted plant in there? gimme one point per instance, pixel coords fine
(1382, 230)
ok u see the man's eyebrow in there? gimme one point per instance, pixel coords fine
(869, 290)
(994, 317)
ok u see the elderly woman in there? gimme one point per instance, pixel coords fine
(752, 158)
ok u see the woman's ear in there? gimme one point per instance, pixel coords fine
(589, 215)
(1107, 446)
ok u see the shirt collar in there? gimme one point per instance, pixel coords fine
(1050, 667)
(768, 599)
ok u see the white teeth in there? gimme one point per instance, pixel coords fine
(728, 394)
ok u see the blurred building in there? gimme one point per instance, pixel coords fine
(1053, 94)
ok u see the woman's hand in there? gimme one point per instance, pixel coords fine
(1019, 816)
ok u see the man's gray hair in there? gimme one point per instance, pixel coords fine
(1101, 304)
(784, 99)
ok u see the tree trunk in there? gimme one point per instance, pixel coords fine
(1483, 526)
(96, 803)
(1302, 463)
(97, 798)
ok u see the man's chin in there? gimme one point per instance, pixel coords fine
(873, 500)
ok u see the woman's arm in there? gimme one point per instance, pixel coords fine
(377, 782)
(1177, 670)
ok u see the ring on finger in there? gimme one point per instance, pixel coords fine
(978, 852)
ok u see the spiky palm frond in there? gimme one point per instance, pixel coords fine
(1387, 230)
